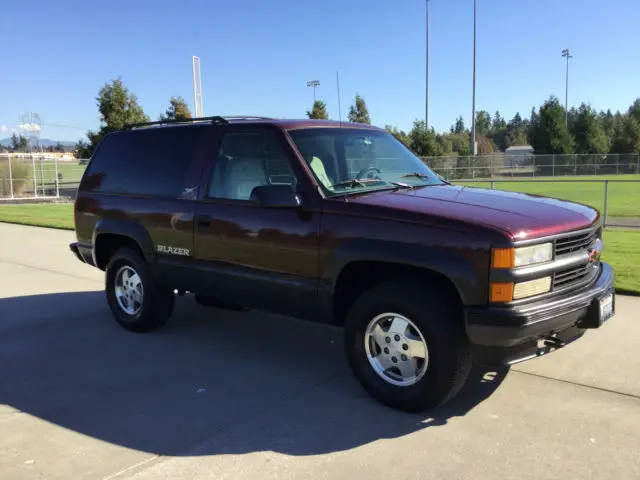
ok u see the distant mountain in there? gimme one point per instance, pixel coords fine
(45, 142)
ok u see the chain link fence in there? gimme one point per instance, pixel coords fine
(39, 175)
(513, 165)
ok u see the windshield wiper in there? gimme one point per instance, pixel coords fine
(401, 185)
(354, 182)
(423, 176)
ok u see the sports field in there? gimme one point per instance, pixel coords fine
(623, 195)
(70, 172)
(24, 171)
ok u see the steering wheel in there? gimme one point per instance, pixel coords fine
(365, 170)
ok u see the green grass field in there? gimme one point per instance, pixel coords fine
(623, 198)
(622, 247)
(622, 251)
(71, 172)
(41, 215)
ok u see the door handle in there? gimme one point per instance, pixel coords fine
(203, 220)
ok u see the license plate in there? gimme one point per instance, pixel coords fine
(606, 308)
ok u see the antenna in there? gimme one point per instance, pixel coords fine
(198, 111)
(338, 87)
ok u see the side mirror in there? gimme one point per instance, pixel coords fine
(275, 196)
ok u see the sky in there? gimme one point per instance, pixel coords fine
(256, 57)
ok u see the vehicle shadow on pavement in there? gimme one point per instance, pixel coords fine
(211, 382)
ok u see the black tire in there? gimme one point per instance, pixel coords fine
(440, 323)
(157, 304)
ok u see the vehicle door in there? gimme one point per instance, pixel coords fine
(257, 253)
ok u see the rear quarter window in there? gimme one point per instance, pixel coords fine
(149, 162)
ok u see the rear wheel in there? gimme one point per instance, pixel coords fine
(137, 303)
(406, 346)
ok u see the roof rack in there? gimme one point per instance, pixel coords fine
(217, 120)
(246, 117)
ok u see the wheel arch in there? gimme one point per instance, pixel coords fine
(358, 267)
(110, 235)
(362, 275)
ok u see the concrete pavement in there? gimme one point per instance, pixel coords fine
(222, 395)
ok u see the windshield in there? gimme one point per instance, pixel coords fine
(349, 160)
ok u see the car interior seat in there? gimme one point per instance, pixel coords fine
(317, 166)
(321, 162)
(241, 169)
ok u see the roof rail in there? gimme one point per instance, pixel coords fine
(246, 117)
(215, 120)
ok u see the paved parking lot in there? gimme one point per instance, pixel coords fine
(222, 395)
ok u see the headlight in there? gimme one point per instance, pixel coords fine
(533, 254)
(521, 256)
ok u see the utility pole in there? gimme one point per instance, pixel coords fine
(426, 106)
(473, 108)
(567, 54)
(314, 84)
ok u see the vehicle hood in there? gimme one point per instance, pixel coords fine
(519, 215)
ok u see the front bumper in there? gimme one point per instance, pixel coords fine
(509, 335)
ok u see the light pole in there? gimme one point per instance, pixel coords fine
(426, 106)
(567, 54)
(314, 84)
(197, 87)
(473, 107)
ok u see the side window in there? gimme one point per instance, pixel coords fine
(151, 162)
(246, 160)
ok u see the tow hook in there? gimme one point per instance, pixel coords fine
(550, 342)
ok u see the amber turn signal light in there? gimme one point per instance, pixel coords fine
(501, 292)
(503, 258)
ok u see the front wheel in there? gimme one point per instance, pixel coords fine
(137, 303)
(406, 346)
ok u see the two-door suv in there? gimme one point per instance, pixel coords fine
(340, 223)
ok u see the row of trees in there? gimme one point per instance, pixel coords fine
(585, 131)
(358, 112)
(20, 144)
(545, 129)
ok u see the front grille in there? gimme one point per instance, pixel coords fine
(576, 243)
(576, 276)
(572, 276)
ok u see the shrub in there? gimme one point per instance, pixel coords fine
(21, 174)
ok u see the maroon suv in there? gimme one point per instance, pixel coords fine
(340, 223)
